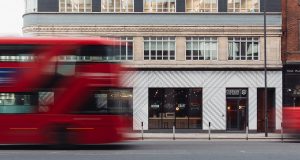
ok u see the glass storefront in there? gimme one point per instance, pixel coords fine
(181, 107)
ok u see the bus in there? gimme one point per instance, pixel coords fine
(291, 121)
(62, 91)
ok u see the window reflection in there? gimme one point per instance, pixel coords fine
(179, 106)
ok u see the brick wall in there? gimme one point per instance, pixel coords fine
(291, 36)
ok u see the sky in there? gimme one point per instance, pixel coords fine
(11, 12)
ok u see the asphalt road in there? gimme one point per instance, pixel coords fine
(160, 150)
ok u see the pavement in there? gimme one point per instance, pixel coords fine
(258, 136)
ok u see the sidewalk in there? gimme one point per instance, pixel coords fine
(206, 136)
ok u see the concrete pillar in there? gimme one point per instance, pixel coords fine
(138, 48)
(222, 48)
(180, 48)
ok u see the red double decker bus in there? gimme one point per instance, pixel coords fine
(62, 91)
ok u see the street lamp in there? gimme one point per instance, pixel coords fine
(265, 69)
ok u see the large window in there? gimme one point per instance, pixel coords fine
(117, 5)
(17, 102)
(201, 6)
(201, 48)
(159, 5)
(75, 5)
(179, 106)
(243, 48)
(243, 5)
(159, 48)
(30, 6)
(108, 101)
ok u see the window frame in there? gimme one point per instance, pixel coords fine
(234, 7)
(156, 8)
(211, 8)
(78, 11)
(240, 41)
(168, 41)
(198, 40)
(114, 8)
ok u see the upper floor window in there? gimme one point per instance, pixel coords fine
(30, 6)
(159, 48)
(75, 5)
(243, 6)
(243, 48)
(117, 5)
(201, 48)
(201, 6)
(159, 5)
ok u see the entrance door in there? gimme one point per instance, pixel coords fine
(236, 114)
(261, 109)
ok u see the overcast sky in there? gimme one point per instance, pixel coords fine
(11, 12)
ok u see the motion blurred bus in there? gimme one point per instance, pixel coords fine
(62, 91)
(291, 121)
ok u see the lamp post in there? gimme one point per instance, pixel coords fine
(265, 69)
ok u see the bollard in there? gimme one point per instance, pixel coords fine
(281, 132)
(208, 130)
(247, 132)
(142, 131)
(173, 132)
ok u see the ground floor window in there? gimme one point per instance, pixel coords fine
(181, 107)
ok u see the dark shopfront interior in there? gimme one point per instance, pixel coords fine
(179, 106)
(291, 85)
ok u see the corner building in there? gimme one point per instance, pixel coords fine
(194, 61)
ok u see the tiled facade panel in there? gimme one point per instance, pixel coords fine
(214, 84)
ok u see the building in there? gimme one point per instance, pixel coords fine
(291, 52)
(196, 61)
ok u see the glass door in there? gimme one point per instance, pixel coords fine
(236, 114)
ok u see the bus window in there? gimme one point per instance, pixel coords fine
(17, 53)
(46, 100)
(17, 103)
(109, 101)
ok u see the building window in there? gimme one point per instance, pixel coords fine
(243, 6)
(159, 48)
(179, 106)
(159, 5)
(75, 5)
(117, 5)
(201, 6)
(201, 48)
(243, 48)
(30, 6)
(125, 50)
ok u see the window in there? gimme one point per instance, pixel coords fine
(124, 49)
(17, 53)
(243, 48)
(75, 5)
(108, 101)
(30, 6)
(201, 6)
(182, 106)
(201, 48)
(17, 103)
(243, 6)
(159, 48)
(159, 5)
(117, 5)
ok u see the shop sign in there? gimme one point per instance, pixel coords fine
(236, 92)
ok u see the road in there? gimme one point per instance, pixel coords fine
(161, 150)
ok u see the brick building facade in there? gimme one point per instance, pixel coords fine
(291, 52)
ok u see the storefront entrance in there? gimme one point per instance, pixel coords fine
(237, 109)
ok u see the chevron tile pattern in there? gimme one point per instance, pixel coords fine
(214, 84)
